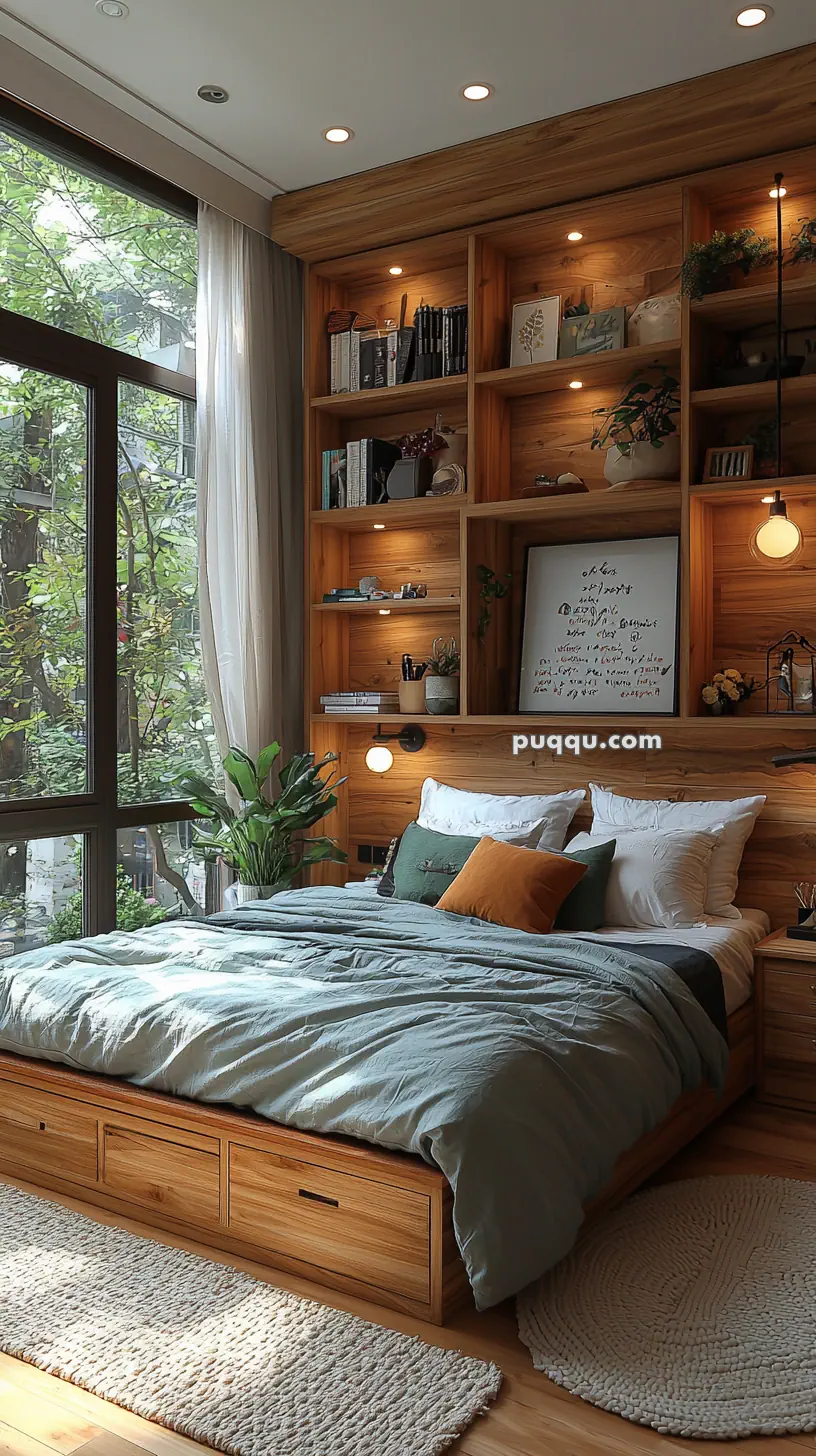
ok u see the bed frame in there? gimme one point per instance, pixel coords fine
(338, 1212)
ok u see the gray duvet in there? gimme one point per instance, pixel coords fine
(521, 1065)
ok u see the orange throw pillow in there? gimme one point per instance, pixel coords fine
(520, 888)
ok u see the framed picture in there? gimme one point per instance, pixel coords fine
(600, 630)
(732, 462)
(534, 335)
(593, 333)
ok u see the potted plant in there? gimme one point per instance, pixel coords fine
(639, 433)
(803, 243)
(442, 677)
(726, 691)
(717, 265)
(492, 588)
(263, 839)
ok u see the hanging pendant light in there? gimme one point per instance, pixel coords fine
(778, 539)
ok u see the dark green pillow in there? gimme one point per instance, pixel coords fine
(427, 863)
(583, 908)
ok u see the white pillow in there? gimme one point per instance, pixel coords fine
(657, 878)
(534, 821)
(733, 819)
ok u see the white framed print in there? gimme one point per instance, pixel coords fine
(600, 630)
(535, 331)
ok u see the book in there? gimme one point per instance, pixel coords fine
(333, 479)
(363, 699)
(353, 485)
(380, 458)
(340, 362)
(374, 360)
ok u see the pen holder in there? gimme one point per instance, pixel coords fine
(412, 697)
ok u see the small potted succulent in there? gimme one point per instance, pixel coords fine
(726, 691)
(442, 677)
(639, 433)
(722, 262)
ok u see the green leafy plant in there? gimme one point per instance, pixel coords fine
(263, 840)
(133, 912)
(644, 414)
(705, 266)
(763, 438)
(444, 659)
(803, 243)
(492, 588)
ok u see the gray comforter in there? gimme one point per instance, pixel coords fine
(521, 1065)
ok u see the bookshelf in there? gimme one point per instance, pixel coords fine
(527, 420)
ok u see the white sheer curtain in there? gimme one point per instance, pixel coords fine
(248, 352)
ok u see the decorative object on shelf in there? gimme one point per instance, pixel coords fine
(584, 304)
(751, 359)
(763, 439)
(379, 757)
(565, 484)
(729, 462)
(448, 480)
(791, 677)
(442, 677)
(654, 321)
(263, 840)
(423, 442)
(777, 540)
(615, 604)
(593, 333)
(410, 477)
(492, 588)
(803, 243)
(801, 343)
(370, 586)
(640, 431)
(719, 264)
(534, 334)
(805, 928)
(726, 691)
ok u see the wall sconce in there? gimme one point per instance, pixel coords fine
(380, 758)
(777, 539)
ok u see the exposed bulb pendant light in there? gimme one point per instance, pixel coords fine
(777, 538)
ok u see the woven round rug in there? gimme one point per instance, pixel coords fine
(691, 1309)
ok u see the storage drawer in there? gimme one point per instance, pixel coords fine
(48, 1134)
(790, 1039)
(370, 1231)
(179, 1178)
(790, 992)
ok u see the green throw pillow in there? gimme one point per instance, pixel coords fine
(583, 908)
(427, 863)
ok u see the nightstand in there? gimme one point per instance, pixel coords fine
(786, 1021)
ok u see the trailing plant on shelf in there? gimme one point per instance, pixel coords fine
(727, 690)
(442, 677)
(264, 840)
(638, 426)
(713, 266)
(803, 243)
(492, 588)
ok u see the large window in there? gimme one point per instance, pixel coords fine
(102, 697)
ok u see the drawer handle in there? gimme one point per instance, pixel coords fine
(318, 1197)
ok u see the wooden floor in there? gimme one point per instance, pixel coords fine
(40, 1415)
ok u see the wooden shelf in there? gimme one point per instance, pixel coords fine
(391, 604)
(766, 724)
(746, 398)
(612, 367)
(725, 492)
(660, 495)
(422, 394)
(366, 718)
(424, 511)
(743, 308)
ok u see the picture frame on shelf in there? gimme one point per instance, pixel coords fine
(728, 462)
(593, 333)
(534, 332)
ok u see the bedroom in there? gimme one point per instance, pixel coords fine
(491, 1022)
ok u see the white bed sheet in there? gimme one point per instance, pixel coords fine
(730, 942)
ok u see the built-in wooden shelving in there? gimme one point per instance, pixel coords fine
(755, 398)
(593, 370)
(386, 605)
(424, 394)
(424, 512)
(755, 303)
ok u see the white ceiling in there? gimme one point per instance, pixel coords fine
(390, 69)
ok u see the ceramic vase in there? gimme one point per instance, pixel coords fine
(441, 694)
(643, 462)
(239, 894)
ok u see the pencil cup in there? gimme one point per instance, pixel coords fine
(412, 697)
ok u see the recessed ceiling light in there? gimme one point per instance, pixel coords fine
(574, 237)
(385, 611)
(114, 9)
(477, 92)
(767, 500)
(338, 134)
(378, 526)
(216, 94)
(576, 384)
(395, 271)
(778, 192)
(754, 15)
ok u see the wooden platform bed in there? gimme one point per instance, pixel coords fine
(338, 1212)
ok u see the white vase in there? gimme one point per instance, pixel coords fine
(441, 694)
(239, 894)
(643, 462)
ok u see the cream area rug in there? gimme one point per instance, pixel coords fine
(215, 1354)
(692, 1309)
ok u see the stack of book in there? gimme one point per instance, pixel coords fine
(364, 356)
(363, 702)
(441, 341)
(357, 473)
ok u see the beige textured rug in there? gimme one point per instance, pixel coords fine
(691, 1309)
(216, 1355)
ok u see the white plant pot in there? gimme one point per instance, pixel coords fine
(239, 894)
(644, 462)
(441, 694)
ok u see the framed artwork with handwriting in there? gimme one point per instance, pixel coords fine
(600, 631)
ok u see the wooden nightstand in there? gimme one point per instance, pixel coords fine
(786, 1021)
